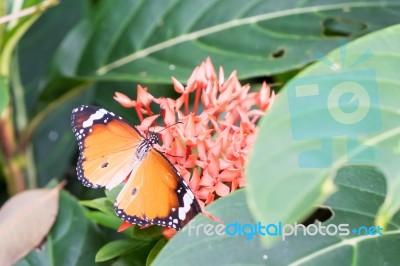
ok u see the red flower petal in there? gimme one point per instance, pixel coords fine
(222, 189)
(124, 100)
(124, 226)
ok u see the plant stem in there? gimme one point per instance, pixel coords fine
(12, 168)
(21, 118)
(39, 8)
(13, 159)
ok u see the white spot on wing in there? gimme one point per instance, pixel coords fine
(96, 116)
(187, 201)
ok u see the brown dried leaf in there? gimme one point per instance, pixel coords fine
(25, 220)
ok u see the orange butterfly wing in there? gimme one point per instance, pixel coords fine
(107, 146)
(156, 194)
(110, 150)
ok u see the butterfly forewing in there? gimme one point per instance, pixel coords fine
(156, 194)
(107, 146)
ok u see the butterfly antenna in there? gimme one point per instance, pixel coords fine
(170, 126)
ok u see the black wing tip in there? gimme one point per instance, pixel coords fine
(81, 175)
(170, 222)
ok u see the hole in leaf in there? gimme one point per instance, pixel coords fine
(278, 53)
(342, 27)
(321, 214)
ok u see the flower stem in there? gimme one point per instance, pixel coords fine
(139, 113)
(197, 99)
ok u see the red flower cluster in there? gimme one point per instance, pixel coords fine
(217, 131)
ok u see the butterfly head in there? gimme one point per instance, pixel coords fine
(153, 138)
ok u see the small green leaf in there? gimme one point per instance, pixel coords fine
(118, 248)
(113, 194)
(107, 220)
(148, 233)
(101, 204)
(4, 94)
(156, 249)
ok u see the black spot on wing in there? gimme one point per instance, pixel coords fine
(82, 120)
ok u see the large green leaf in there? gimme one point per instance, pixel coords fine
(36, 48)
(360, 192)
(202, 249)
(73, 240)
(287, 175)
(149, 41)
(54, 143)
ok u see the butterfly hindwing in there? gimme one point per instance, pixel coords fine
(107, 146)
(156, 194)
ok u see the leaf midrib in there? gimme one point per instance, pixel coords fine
(345, 242)
(231, 24)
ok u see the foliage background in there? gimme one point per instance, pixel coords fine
(82, 51)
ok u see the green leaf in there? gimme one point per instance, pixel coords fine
(52, 23)
(101, 204)
(73, 240)
(349, 117)
(17, 28)
(192, 244)
(254, 37)
(4, 94)
(54, 142)
(113, 194)
(107, 220)
(156, 249)
(149, 233)
(118, 248)
(360, 193)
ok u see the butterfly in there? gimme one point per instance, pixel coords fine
(111, 149)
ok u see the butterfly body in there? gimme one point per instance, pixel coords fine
(145, 145)
(112, 151)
